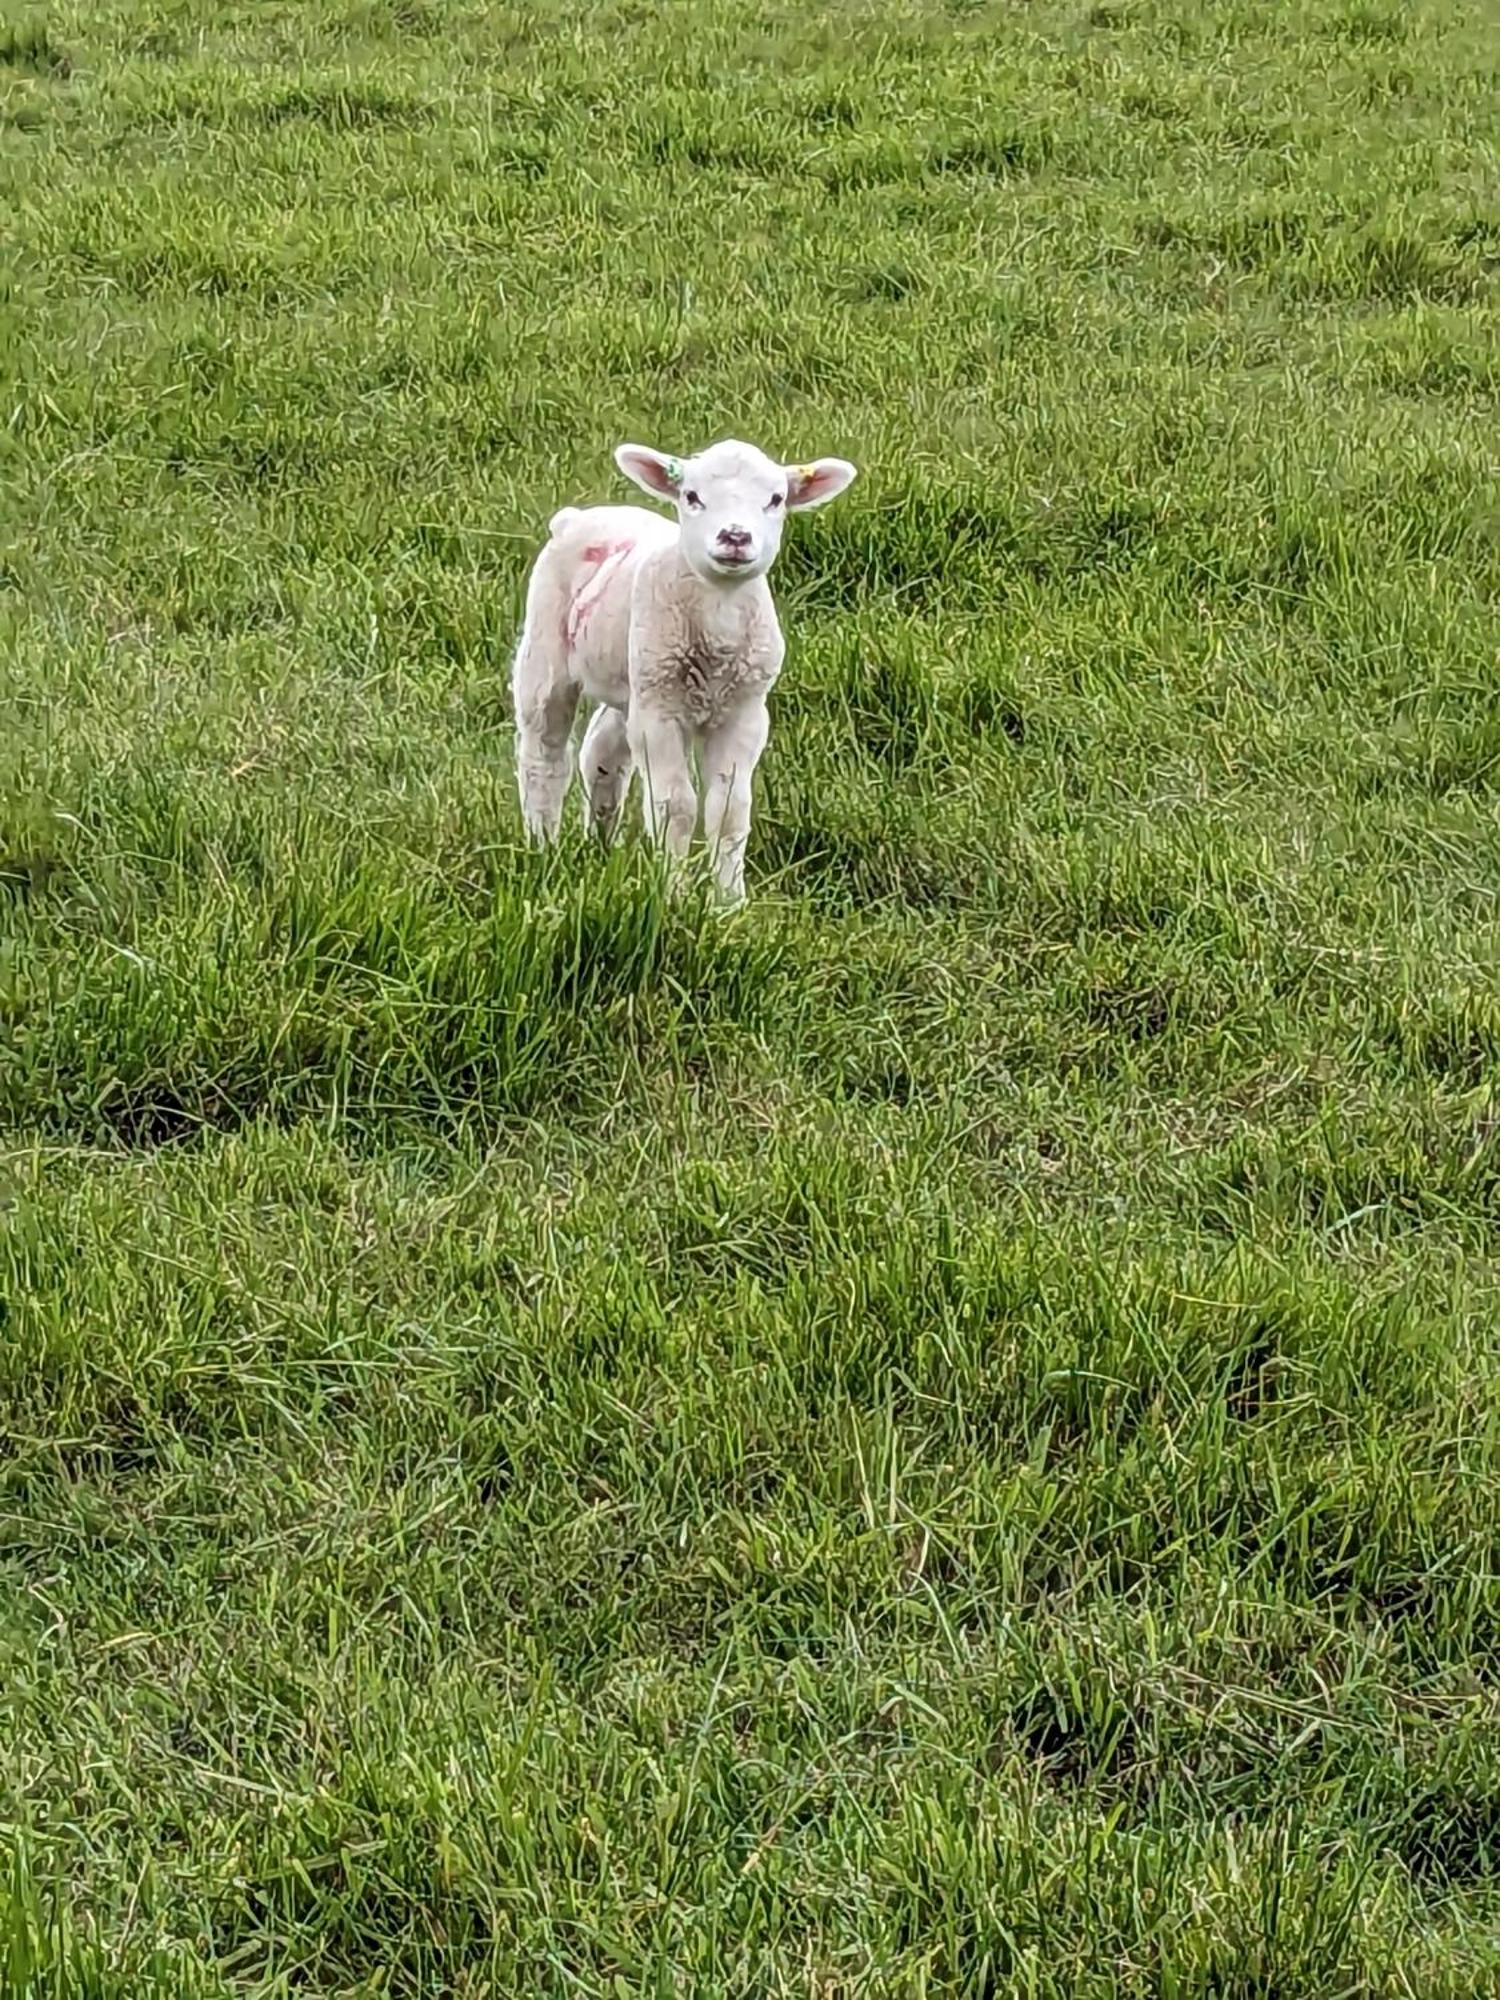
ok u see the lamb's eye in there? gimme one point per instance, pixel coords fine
(776, 499)
(691, 498)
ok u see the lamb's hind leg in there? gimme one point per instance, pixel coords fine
(546, 700)
(605, 763)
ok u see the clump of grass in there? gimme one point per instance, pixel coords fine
(32, 51)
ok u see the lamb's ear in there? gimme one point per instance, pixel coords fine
(811, 485)
(654, 470)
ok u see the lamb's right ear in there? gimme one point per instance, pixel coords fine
(654, 470)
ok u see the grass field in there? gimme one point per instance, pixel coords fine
(938, 1436)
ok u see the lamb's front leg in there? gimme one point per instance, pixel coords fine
(658, 750)
(730, 755)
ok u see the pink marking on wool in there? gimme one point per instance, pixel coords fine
(600, 561)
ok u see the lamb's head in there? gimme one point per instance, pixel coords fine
(731, 501)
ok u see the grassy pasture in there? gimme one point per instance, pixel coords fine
(939, 1437)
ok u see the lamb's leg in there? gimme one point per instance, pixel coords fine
(546, 700)
(730, 755)
(659, 753)
(605, 763)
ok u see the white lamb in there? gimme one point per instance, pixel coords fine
(671, 629)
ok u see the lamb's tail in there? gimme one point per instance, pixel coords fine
(564, 518)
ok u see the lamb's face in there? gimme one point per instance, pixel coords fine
(732, 501)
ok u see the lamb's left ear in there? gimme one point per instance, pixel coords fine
(811, 485)
(656, 471)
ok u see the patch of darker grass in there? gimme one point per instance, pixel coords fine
(1393, 265)
(983, 709)
(1450, 1835)
(1455, 1042)
(892, 703)
(1150, 107)
(1387, 1181)
(1089, 1737)
(1257, 238)
(374, 1910)
(343, 107)
(884, 284)
(24, 874)
(419, 19)
(710, 151)
(834, 110)
(1252, 1379)
(33, 51)
(993, 156)
(1370, 27)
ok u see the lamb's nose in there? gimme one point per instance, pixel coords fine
(734, 538)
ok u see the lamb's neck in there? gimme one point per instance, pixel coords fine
(725, 608)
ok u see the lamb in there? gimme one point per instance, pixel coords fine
(669, 627)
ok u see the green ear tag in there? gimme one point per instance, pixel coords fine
(674, 471)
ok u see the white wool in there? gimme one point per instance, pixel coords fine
(670, 628)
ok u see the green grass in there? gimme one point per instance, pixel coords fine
(939, 1436)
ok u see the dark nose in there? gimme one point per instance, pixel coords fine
(734, 538)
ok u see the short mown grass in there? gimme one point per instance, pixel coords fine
(938, 1436)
